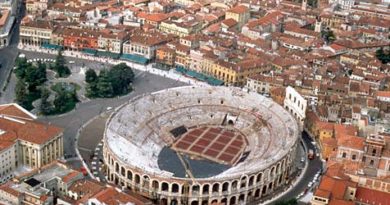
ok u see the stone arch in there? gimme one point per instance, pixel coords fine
(137, 179)
(174, 202)
(123, 171)
(278, 168)
(225, 186)
(195, 189)
(214, 201)
(146, 181)
(224, 201)
(259, 177)
(164, 186)
(155, 185)
(234, 185)
(195, 202)
(264, 190)
(129, 175)
(257, 193)
(251, 180)
(164, 201)
(272, 172)
(116, 167)
(205, 202)
(216, 187)
(243, 181)
(205, 189)
(270, 186)
(241, 198)
(175, 188)
(232, 200)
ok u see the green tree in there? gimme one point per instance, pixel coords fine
(21, 66)
(92, 90)
(60, 66)
(328, 36)
(65, 101)
(104, 85)
(121, 76)
(383, 56)
(90, 76)
(46, 106)
(21, 94)
(35, 76)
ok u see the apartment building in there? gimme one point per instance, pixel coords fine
(26, 142)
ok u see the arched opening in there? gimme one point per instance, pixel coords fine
(264, 191)
(233, 200)
(205, 189)
(116, 168)
(195, 189)
(257, 193)
(241, 199)
(243, 182)
(270, 186)
(194, 203)
(272, 174)
(230, 122)
(214, 201)
(146, 181)
(224, 201)
(251, 179)
(249, 197)
(215, 188)
(123, 171)
(137, 179)
(280, 179)
(164, 186)
(164, 202)
(278, 168)
(155, 184)
(174, 202)
(129, 175)
(205, 202)
(175, 188)
(259, 177)
(225, 186)
(234, 185)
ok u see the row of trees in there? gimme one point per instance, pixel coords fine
(109, 83)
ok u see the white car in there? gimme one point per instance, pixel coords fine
(71, 62)
(310, 184)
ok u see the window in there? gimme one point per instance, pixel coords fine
(372, 162)
(354, 157)
(344, 155)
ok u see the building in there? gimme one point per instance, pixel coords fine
(383, 96)
(240, 14)
(6, 24)
(37, 187)
(296, 104)
(334, 190)
(176, 117)
(25, 141)
(181, 28)
(145, 44)
(113, 197)
(35, 32)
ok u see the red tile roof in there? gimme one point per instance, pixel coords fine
(369, 196)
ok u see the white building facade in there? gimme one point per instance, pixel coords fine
(296, 104)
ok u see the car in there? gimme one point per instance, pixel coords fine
(302, 159)
(109, 108)
(310, 184)
(71, 62)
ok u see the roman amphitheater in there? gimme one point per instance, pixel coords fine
(201, 145)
